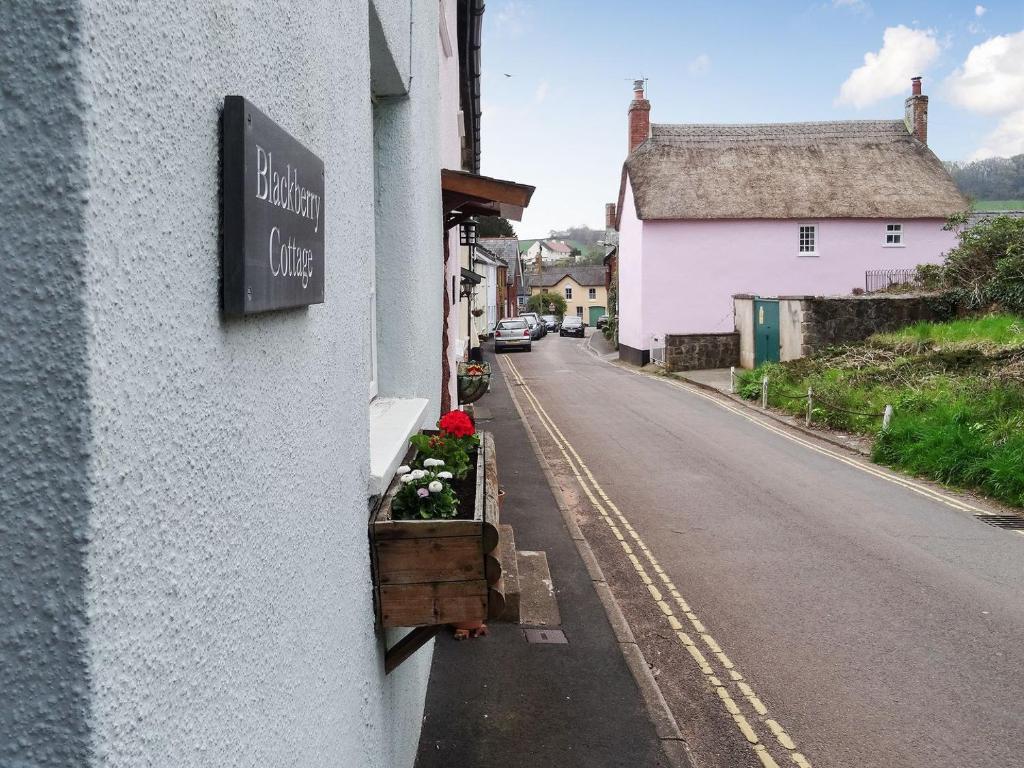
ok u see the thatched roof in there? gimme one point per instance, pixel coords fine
(586, 276)
(849, 169)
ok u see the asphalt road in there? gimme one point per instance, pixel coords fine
(877, 625)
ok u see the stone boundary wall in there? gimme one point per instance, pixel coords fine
(701, 351)
(813, 323)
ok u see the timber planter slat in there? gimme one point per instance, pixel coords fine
(430, 572)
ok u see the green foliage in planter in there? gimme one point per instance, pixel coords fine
(424, 494)
(454, 444)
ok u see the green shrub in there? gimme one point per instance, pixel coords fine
(957, 396)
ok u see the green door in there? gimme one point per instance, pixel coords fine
(595, 312)
(766, 331)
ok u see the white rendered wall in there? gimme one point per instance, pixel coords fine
(631, 328)
(198, 484)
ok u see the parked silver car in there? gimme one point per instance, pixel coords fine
(538, 333)
(513, 333)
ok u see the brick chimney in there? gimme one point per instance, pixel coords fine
(916, 111)
(609, 216)
(639, 116)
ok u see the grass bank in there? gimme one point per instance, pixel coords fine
(998, 205)
(957, 390)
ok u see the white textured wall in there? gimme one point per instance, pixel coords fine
(195, 486)
(44, 434)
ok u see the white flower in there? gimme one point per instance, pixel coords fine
(403, 470)
(445, 475)
(418, 474)
(406, 478)
(435, 486)
(433, 463)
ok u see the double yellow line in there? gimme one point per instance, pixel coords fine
(714, 664)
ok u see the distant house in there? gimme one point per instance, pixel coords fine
(547, 252)
(708, 211)
(506, 250)
(583, 289)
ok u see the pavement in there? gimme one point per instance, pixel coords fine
(798, 604)
(500, 701)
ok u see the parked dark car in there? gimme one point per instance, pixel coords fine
(551, 321)
(572, 326)
(602, 321)
(536, 318)
(513, 333)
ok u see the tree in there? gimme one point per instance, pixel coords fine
(494, 226)
(987, 266)
(541, 304)
(995, 178)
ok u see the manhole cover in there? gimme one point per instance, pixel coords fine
(1009, 522)
(545, 636)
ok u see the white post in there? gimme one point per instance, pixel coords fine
(810, 404)
(764, 391)
(886, 417)
(732, 379)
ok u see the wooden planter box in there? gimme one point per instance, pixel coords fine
(435, 572)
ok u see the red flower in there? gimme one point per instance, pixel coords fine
(457, 423)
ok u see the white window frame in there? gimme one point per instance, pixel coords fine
(893, 237)
(579, 311)
(568, 292)
(592, 293)
(812, 240)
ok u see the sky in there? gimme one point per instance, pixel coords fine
(557, 80)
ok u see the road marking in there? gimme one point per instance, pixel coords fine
(602, 504)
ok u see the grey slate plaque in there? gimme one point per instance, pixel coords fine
(273, 215)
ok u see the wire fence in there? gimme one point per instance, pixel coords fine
(814, 402)
(882, 279)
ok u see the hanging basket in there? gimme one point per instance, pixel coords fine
(474, 381)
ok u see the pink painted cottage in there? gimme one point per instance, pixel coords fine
(709, 211)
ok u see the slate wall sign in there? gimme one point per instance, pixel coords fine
(273, 209)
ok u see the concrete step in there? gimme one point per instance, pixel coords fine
(509, 573)
(537, 604)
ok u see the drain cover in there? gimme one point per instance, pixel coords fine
(545, 636)
(1009, 522)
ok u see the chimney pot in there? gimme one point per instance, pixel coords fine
(639, 116)
(916, 111)
(609, 216)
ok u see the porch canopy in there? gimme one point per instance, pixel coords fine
(469, 194)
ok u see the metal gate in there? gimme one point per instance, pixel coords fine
(766, 331)
(658, 349)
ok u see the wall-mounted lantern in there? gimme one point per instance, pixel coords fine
(468, 233)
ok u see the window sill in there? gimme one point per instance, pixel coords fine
(808, 255)
(393, 420)
(887, 245)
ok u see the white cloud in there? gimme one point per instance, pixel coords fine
(541, 92)
(979, 10)
(512, 17)
(905, 53)
(991, 79)
(700, 65)
(1006, 140)
(857, 6)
